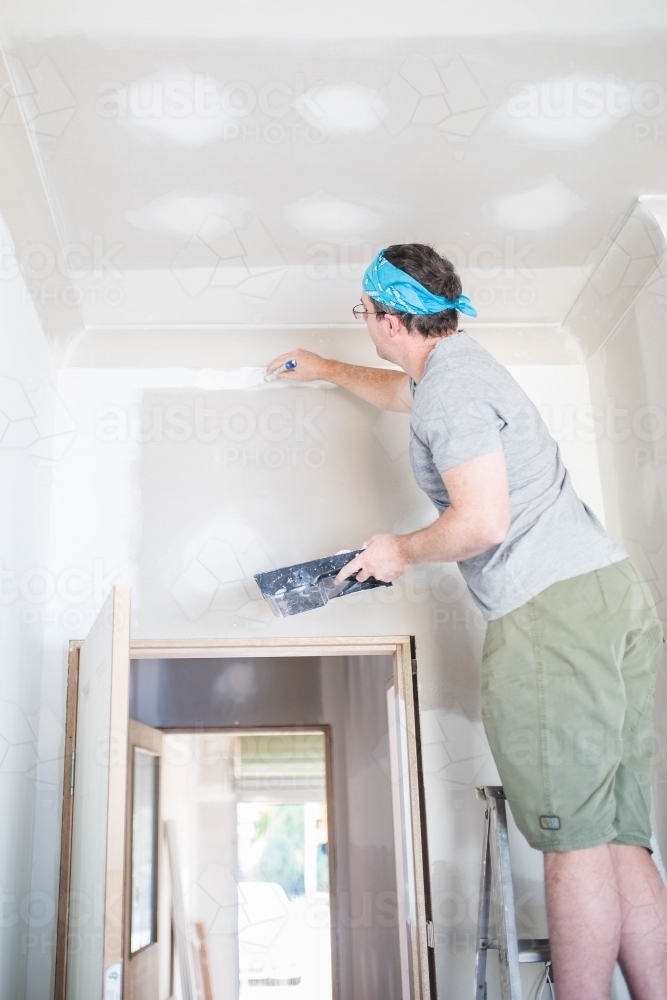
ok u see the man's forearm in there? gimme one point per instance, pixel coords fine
(451, 538)
(478, 519)
(383, 387)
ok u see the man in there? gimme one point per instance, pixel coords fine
(573, 642)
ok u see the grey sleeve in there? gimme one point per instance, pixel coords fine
(459, 430)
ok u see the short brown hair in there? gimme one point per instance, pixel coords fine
(435, 273)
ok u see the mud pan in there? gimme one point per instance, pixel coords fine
(305, 586)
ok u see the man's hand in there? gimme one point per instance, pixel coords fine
(309, 367)
(382, 558)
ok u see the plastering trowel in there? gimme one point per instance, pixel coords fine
(304, 586)
(289, 366)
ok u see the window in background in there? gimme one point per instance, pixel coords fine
(284, 917)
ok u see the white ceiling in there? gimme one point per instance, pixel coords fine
(346, 19)
(240, 165)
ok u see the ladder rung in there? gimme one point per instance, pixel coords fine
(534, 950)
(530, 949)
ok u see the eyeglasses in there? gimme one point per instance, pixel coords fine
(361, 312)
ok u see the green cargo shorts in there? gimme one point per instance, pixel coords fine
(567, 691)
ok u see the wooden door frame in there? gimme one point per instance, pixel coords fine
(62, 925)
(116, 609)
(400, 647)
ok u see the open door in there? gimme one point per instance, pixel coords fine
(142, 863)
(93, 931)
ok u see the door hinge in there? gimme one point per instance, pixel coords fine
(72, 767)
(414, 666)
(430, 934)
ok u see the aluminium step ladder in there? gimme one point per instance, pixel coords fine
(496, 889)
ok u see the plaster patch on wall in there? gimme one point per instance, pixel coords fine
(322, 216)
(342, 109)
(172, 105)
(563, 111)
(548, 204)
(186, 214)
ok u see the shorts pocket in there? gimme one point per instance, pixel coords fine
(640, 689)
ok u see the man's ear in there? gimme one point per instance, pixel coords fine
(394, 324)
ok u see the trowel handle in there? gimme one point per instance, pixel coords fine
(289, 366)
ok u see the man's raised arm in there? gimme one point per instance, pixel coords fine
(383, 387)
(477, 519)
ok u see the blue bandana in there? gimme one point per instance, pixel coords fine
(397, 290)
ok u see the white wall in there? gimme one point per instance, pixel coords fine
(29, 737)
(628, 385)
(186, 523)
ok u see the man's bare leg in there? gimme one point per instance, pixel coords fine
(584, 916)
(643, 949)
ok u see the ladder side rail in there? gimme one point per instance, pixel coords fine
(483, 911)
(508, 944)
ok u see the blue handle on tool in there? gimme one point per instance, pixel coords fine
(289, 366)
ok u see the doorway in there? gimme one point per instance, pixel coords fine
(249, 814)
(288, 731)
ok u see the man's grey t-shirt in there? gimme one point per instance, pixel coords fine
(467, 404)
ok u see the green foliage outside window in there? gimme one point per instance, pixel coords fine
(282, 828)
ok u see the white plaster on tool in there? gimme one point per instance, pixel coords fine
(230, 378)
